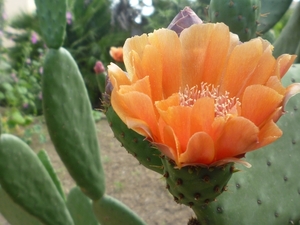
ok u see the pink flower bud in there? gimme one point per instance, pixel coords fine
(99, 68)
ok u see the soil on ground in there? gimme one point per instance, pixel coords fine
(139, 188)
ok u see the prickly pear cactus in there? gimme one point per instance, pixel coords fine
(70, 122)
(52, 20)
(240, 15)
(27, 182)
(269, 192)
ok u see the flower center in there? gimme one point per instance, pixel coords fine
(223, 103)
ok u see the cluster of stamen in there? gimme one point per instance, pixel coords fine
(223, 103)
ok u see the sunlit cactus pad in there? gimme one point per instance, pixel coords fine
(269, 192)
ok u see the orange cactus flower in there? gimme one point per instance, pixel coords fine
(203, 98)
(116, 53)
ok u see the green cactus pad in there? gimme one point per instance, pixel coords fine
(134, 143)
(110, 211)
(52, 19)
(196, 186)
(269, 36)
(70, 122)
(240, 15)
(271, 13)
(80, 208)
(26, 181)
(289, 38)
(43, 156)
(13, 213)
(269, 192)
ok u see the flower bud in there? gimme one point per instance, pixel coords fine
(99, 68)
(184, 19)
(116, 53)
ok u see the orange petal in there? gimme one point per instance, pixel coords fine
(117, 76)
(163, 105)
(284, 62)
(291, 90)
(269, 133)
(237, 136)
(178, 117)
(194, 42)
(259, 103)
(152, 66)
(202, 115)
(168, 45)
(264, 69)
(133, 103)
(217, 127)
(200, 150)
(274, 83)
(219, 47)
(242, 62)
(137, 44)
(137, 71)
(173, 144)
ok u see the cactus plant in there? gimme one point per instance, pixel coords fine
(29, 184)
